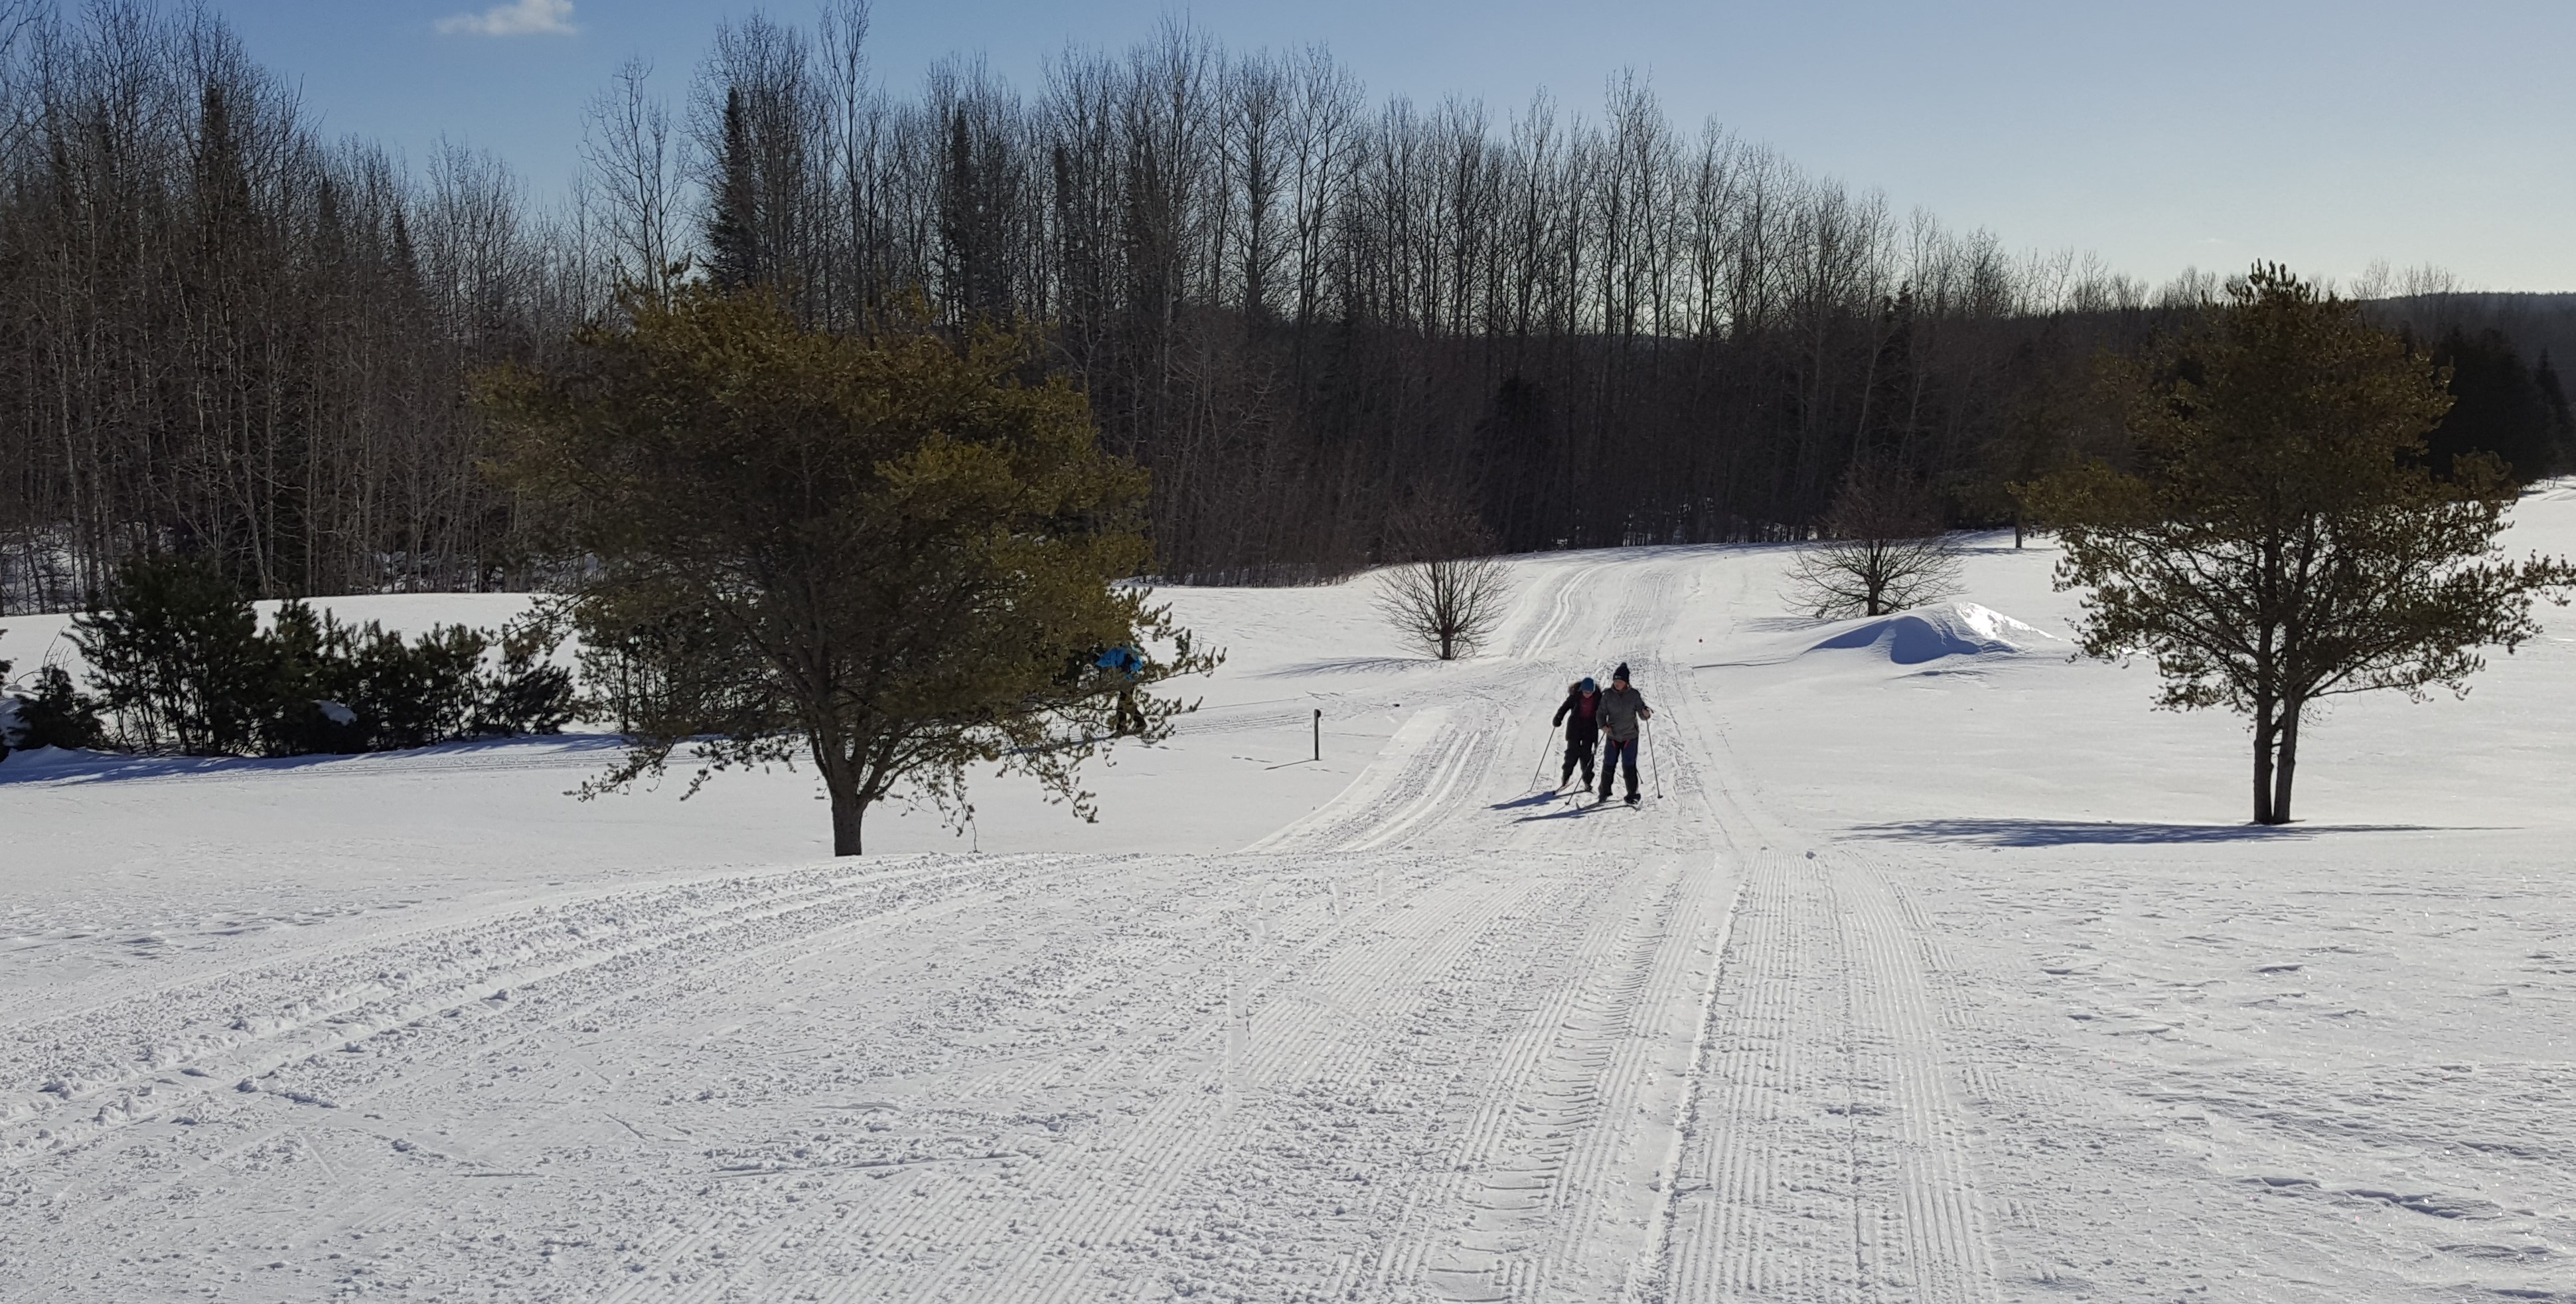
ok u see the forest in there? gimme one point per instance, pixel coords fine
(1337, 330)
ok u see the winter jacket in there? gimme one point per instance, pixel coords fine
(1581, 717)
(1621, 708)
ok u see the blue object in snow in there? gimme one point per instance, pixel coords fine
(1125, 660)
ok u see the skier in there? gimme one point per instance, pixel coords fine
(1622, 708)
(1129, 664)
(1581, 716)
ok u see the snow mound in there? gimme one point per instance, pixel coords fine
(1955, 629)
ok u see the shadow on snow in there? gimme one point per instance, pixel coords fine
(1349, 666)
(2062, 833)
(49, 765)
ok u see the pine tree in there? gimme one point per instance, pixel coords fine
(890, 554)
(734, 259)
(2283, 539)
(176, 655)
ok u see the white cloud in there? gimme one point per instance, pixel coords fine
(518, 18)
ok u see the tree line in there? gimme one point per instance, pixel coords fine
(229, 338)
(1315, 318)
(1320, 321)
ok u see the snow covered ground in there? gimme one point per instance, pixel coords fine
(1941, 970)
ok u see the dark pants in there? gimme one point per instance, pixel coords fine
(1578, 751)
(1622, 755)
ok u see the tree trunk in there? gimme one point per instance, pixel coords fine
(847, 811)
(2266, 732)
(2289, 762)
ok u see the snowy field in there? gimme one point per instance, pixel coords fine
(1926, 978)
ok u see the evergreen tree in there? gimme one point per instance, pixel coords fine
(888, 553)
(2283, 539)
(734, 259)
(56, 714)
(2498, 406)
(974, 212)
(177, 657)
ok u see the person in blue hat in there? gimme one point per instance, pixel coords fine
(1581, 716)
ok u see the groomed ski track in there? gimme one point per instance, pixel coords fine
(1442, 1039)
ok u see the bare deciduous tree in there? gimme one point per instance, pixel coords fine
(1883, 550)
(1450, 599)
(1448, 607)
(636, 163)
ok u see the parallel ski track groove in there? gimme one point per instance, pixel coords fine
(1344, 1064)
(457, 963)
(913, 1217)
(1521, 1057)
(1952, 1261)
(706, 931)
(634, 975)
(1832, 1001)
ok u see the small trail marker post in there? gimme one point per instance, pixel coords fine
(1319, 734)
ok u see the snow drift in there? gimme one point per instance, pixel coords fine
(1952, 629)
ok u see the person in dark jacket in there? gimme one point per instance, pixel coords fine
(1126, 663)
(1623, 711)
(1581, 716)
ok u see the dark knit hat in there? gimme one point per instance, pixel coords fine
(1620, 675)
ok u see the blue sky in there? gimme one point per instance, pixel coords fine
(2159, 135)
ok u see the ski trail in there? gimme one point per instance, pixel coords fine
(1093, 1214)
(1564, 596)
(1394, 786)
(1434, 1041)
(1762, 1207)
(1932, 1233)
(437, 1056)
(1508, 1161)
(216, 1028)
(1559, 1185)
(1462, 761)
(1824, 1155)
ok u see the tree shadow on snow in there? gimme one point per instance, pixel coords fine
(2063, 833)
(1348, 666)
(54, 766)
(1779, 624)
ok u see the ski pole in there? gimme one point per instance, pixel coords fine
(1654, 762)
